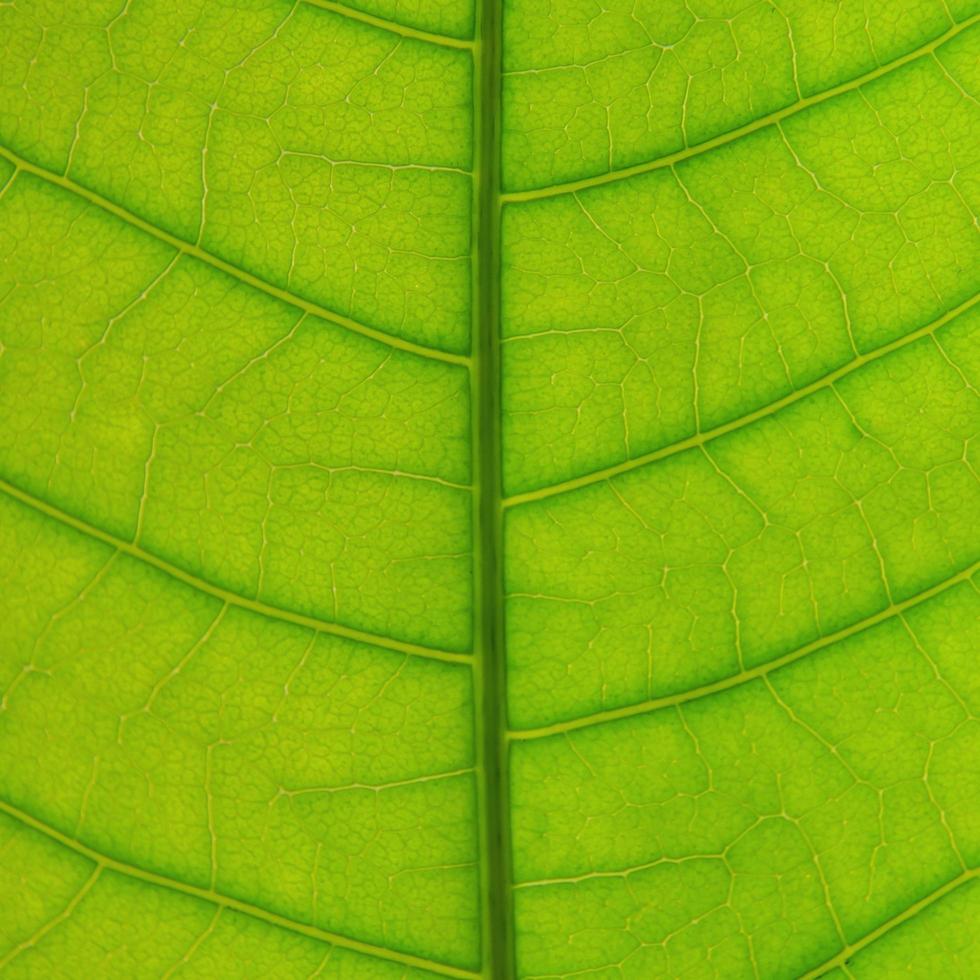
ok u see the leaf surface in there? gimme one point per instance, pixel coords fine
(489, 490)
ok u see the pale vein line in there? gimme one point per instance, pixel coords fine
(616, 872)
(378, 471)
(732, 135)
(343, 10)
(434, 777)
(226, 901)
(54, 922)
(232, 598)
(701, 438)
(886, 927)
(195, 251)
(196, 945)
(743, 677)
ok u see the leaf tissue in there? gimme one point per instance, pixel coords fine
(489, 488)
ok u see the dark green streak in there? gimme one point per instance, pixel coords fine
(498, 933)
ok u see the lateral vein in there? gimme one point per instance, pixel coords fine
(54, 922)
(232, 598)
(226, 901)
(743, 677)
(196, 252)
(702, 438)
(848, 951)
(343, 10)
(614, 176)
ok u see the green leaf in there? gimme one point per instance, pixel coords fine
(489, 489)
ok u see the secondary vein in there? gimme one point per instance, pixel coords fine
(226, 595)
(416, 33)
(731, 135)
(845, 954)
(709, 435)
(743, 677)
(226, 901)
(195, 251)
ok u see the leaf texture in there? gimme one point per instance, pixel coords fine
(489, 489)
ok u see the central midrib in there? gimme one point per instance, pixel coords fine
(485, 377)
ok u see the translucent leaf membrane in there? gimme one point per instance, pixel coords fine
(250, 561)
(644, 312)
(320, 153)
(746, 548)
(327, 781)
(592, 88)
(941, 938)
(762, 828)
(740, 416)
(251, 444)
(78, 917)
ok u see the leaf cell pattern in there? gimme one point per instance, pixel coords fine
(489, 489)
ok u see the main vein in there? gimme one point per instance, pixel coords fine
(491, 672)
